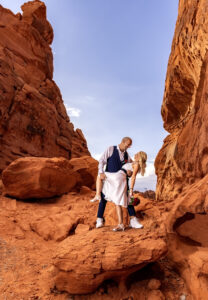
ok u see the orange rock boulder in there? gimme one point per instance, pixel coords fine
(87, 168)
(85, 260)
(35, 177)
(32, 177)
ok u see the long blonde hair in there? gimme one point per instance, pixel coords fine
(141, 158)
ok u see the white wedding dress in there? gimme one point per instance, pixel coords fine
(115, 186)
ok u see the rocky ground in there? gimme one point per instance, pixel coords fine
(32, 231)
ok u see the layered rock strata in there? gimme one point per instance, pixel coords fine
(33, 119)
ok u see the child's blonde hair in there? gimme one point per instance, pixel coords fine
(141, 157)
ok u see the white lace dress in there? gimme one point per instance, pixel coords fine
(115, 186)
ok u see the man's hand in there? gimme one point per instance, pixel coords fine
(102, 176)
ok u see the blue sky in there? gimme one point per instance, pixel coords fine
(110, 62)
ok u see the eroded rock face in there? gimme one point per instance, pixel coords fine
(39, 177)
(84, 261)
(188, 51)
(182, 163)
(33, 119)
(183, 158)
(87, 169)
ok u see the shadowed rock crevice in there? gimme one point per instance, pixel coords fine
(195, 229)
(183, 219)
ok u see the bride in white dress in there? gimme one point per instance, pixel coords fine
(115, 185)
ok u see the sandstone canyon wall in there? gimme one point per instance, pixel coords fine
(183, 158)
(182, 163)
(33, 119)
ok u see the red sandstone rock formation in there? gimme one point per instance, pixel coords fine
(183, 158)
(187, 237)
(38, 177)
(32, 233)
(182, 163)
(84, 261)
(87, 169)
(33, 119)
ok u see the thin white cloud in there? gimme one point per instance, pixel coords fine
(72, 111)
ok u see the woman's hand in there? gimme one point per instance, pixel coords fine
(131, 192)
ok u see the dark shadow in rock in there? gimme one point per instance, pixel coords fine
(194, 230)
(73, 228)
(183, 219)
(51, 200)
(109, 283)
(141, 215)
(152, 270)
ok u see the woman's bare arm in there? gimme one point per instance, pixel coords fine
(133, 177)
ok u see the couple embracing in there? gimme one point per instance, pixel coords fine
(113, 183)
